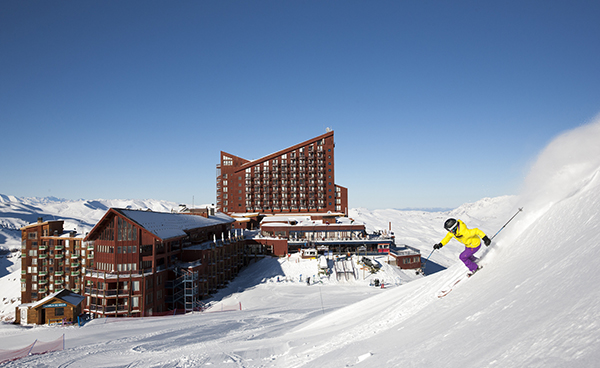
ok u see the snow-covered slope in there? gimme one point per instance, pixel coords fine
(534, 304)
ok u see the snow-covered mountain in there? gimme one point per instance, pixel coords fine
(534, 304)
(82, 215)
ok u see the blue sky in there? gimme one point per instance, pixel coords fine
(433, 103)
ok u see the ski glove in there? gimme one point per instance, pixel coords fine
(487, 241)
(438, 246)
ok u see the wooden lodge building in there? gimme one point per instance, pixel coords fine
(147, 263)
(63, 306)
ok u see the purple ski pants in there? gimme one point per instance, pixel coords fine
(468, 257)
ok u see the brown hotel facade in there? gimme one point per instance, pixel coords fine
(298, 179)
(51, 259)
(147, 263)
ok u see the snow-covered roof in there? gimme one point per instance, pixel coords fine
(275, 219)
(63, 294)
(167, 225)
(245, 214)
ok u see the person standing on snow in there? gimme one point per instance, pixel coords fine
(471, 238)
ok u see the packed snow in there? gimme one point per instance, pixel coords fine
(535, 303)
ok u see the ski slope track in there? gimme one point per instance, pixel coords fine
(536, 302)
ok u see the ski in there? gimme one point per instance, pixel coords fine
(442, 293)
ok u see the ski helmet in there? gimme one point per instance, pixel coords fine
(451, 225)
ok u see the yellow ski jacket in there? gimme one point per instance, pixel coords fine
(471, 238)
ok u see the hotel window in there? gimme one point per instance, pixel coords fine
(126, 231)
(227, 161)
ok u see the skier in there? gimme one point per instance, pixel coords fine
(471, 238)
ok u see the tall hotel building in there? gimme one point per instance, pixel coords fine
(298, 179)
(52, 259)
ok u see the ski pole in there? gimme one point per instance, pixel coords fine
(425, 263)
(520, 209)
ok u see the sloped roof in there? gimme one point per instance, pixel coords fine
(64, 294)
(167, 225)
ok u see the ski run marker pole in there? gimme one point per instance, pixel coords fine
(520, 209)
